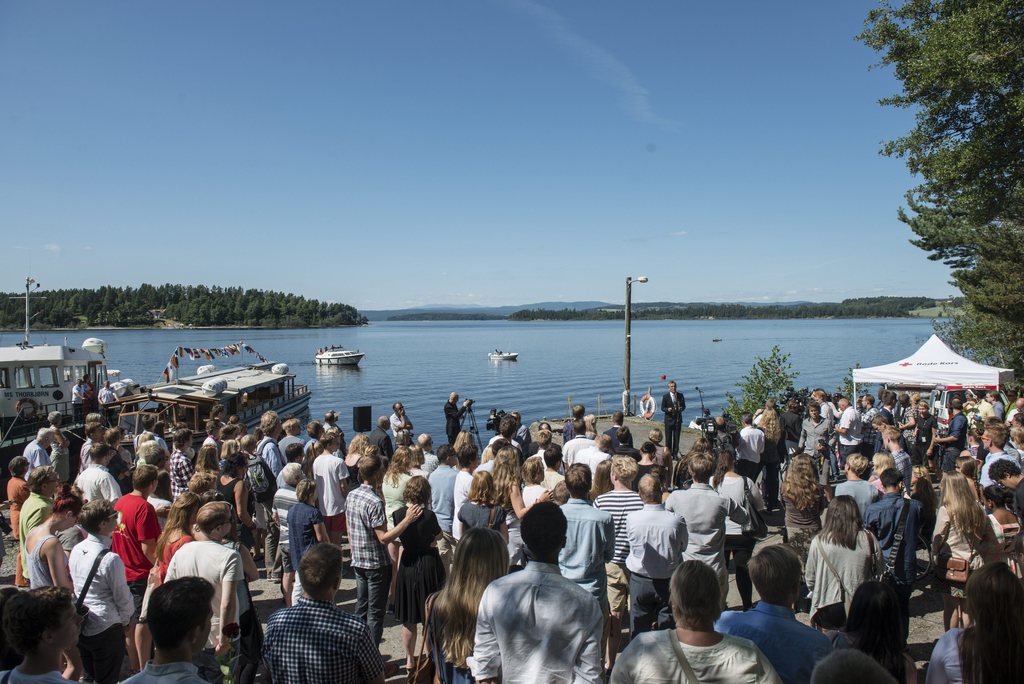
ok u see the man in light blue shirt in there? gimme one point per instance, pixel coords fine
(590, 538)
(656, 541)
(994, 438)
(36, 451)
(791, 647)
(442, 501)
(858, 469)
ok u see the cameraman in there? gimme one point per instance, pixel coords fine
(453, 416)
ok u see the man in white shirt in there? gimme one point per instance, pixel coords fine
(656, 540)
(399, 421)
(577, 443)
(94, 433)
(749, 449)
(78, 394)
(601, 451)
(96, 482)
(849, 429)
(535, 625)
(107, 397)
(331, 477)
(36, 451)
(469, 459)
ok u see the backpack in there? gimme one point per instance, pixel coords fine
(261, 478)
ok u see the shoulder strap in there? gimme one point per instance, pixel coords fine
(691, 676)
(7, 676)
(89, 578)
(897, 539)
(828, 563)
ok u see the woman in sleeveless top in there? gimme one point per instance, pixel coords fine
(233, 488)
(47, 562)
(1005, 524)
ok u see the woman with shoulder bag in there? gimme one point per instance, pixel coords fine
(480, 558)
(963, 541)
(841, 558)
(731, 485)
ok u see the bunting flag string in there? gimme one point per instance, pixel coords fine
(209, 353)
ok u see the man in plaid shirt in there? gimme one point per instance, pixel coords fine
(314, 641)
(368, 535)
(181, 467)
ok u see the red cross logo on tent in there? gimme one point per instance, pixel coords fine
(906, 363)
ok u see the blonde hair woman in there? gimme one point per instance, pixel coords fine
(881, 462)
(773, 455)
(508, 479)
(963, 532)
(480, 558)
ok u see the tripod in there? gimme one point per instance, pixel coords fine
(472, 426)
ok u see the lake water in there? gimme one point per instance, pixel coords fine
(420, 363)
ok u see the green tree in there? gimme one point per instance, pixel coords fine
(768, 377)
(961, 65)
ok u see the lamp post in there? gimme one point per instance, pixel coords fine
(625, 375)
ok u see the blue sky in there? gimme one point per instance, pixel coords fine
(392, 154)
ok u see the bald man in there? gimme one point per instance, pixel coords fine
(453, 416)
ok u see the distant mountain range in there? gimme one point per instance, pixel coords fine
(468, 311)
(865, 307)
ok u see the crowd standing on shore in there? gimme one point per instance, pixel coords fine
(528, 560)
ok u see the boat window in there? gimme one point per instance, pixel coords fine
(48, 376)
(5, 380)
(22, 378)
(67, 373)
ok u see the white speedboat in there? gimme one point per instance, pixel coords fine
(337, 356)
(499, 355)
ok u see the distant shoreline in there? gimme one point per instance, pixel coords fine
(39, 329)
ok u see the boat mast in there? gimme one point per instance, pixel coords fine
(29, 282)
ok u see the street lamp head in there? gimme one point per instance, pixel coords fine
(641, 279)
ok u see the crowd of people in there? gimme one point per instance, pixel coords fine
(532, 558)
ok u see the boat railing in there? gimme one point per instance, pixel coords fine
(19, 429)
(271, 404)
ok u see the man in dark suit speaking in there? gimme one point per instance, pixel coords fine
(673, 405)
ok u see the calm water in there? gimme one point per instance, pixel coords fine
(420, 363)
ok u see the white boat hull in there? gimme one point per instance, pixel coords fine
(346, 360)
(503, 357)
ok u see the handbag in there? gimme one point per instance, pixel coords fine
(425, 670)
(955, 569)
(80, 607)
(755, 526)
(832, 615)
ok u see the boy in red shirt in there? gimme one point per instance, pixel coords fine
(134, 541)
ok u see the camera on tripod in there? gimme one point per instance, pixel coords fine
(494, 419)
(800, 396)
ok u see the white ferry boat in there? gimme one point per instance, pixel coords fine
(247, 391)
(37, 379)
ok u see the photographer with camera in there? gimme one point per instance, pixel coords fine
(453, 416)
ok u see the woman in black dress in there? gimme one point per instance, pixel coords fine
(420, 570)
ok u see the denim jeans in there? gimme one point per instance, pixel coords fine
(845, 451)
(372, 598)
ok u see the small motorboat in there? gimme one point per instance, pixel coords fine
(717, 339)
(337, 356)
(499, 355)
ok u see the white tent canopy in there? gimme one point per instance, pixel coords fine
(933, 364)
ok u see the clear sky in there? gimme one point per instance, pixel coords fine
(393, 154)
